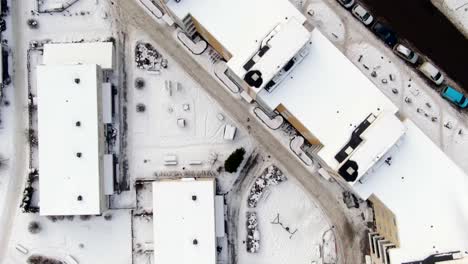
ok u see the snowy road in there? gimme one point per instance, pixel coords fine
(18, 162)
(348, 241)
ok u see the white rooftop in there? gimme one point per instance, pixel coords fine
(427, 193)
(100, 53)
(179, 220)
(281, 50)
(331, 98)
(243, 37)
(64, 176)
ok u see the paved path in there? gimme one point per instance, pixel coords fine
(348, 241)
(18, 162)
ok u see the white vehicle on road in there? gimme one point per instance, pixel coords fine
(405, 53)
(363, 15)
(431, 72)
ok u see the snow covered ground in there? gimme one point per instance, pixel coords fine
(291, 226)
(94, 240)
(155, 133)
(456, 11)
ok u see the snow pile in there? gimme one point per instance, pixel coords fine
(253, 235)
(328, 247)
(148, 58)
(270, 176)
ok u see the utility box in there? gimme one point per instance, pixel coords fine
(229, 132)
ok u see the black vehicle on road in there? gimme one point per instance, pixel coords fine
(385, 34)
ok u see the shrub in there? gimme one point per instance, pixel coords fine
(140, 108)
(233, 162)
(39, 259)
(139, 83)
(34, 227)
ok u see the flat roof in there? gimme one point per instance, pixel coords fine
(100, 53)
(184, 221)
(332, 98)
(63, 176)
(243, 37)
(427, 192)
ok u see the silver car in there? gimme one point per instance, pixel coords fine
(362, 14)
(405, 53)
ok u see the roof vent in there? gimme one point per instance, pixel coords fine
(254, 78)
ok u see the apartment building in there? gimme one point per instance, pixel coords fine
(258, 48)
(74, 106)
(357, 132)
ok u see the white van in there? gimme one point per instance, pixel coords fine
(431, 72)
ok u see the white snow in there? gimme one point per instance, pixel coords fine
(84, 21)
(108, 241)
(427, 193)
(153, 134)
(456, 11)
(70, 155)
(297, 211)
(365, 50)
(184, 221)
(100, 53)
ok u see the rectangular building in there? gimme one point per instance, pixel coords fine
(100, 53)
(184, 221)
(333, 105)
(427, 194)
(255, 47)
(70, 134)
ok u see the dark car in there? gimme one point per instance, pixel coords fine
(346, 3)
(385, 34)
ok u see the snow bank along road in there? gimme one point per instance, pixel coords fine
(348, 240)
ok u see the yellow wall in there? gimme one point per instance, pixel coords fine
(212, 40)
(297, 125)
(385, 221)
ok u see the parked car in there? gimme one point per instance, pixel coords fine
(346, 3)
(385, 34)
(431, 72)
(405, 53)
(455, 97)
(362, 14)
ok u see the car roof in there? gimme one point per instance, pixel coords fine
(429, 68)
(452, 93)
(359, 9)
(403, 49)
